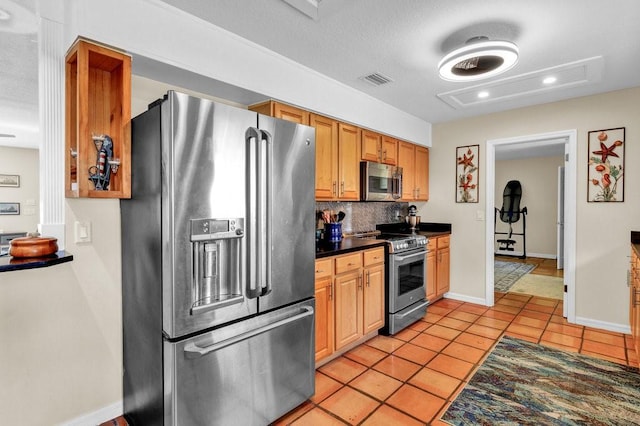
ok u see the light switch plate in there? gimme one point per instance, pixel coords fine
(82, 232)
(479, 215)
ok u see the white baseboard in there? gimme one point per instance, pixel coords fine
(519, 253)
(603, 325)
(100, 416)
(465, 298)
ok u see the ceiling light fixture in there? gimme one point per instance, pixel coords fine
(483, 94)
(479, 58)
(549, 80)
(4, 15)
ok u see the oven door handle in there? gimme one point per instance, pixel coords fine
(412, 256)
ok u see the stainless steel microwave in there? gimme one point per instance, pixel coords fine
(380, 182)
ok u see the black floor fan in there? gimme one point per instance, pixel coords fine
(511, 213)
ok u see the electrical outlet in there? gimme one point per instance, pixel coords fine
(82, 232)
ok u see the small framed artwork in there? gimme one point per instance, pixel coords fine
(606, 165)
(467, 161)
(10, 180)
(9, 208)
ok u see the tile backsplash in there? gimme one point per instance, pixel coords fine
(363, 216)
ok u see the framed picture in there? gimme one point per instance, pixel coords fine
(10, 180)
(606, 165)
(467, 183)
(9, 208)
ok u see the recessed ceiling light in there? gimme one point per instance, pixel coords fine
(549, 80)
(483, 94)
(479, 58)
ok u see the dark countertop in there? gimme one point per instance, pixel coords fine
(9, 263)
(346, 245)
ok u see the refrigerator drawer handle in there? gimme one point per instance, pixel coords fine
(204, 307)
(191, 350)
(420, 306)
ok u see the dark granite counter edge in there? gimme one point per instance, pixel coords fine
(347, 245)
(8, 263)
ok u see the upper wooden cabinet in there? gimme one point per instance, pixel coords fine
(414, 160)
(378, 148)
(98, 103)
(348, 162)
(283, 111)
(326, 157)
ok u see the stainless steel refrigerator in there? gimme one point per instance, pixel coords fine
(218, 249)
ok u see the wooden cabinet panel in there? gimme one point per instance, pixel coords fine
(348, 262)
(289, 113)
(438, 267)
(371, 257)
(326, 156)
(348, 318)
(389, 150)
(431, 276)
(422, 173)
(324, 317)
(373, 299)
(324, 268)
(348, 162)
(443, 267)
(406, 160)
(371, 146)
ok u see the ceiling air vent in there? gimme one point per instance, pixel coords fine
(376, 79)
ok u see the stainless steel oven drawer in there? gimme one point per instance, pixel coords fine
(405, 317)
(248, 373)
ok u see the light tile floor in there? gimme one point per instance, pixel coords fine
(410, 378)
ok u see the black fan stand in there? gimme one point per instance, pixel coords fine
(510, 213)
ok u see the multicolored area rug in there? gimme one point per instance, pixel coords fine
(505, 274)
(522, 383)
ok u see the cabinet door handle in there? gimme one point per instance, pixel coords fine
(384, 154)
(342, 188)
(330, 290)
(368, 280)
(360, 281)
(333, 191)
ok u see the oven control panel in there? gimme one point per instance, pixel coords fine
(410, 242)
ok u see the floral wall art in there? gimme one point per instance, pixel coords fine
(606, 165)
(467, 173)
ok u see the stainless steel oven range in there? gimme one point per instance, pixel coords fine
(406, 269)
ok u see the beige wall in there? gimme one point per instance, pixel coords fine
(602, 229)
(539, 180)
(23, 162)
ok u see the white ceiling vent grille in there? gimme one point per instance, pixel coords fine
(376, 79)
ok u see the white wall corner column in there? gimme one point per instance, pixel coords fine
(51, 111)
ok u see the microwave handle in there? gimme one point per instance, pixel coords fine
(397, 182)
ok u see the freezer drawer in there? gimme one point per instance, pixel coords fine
(247, 373)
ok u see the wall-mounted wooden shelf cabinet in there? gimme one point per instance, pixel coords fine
(98, 102)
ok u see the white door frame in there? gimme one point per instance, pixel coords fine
(570, 139)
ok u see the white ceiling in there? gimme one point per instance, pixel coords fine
(591, 45)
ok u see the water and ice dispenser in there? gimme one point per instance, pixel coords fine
(217, 263)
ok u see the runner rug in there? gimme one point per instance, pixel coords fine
(522, 383)
(505, 274)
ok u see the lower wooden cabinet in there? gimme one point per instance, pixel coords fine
(349, 300)
(634, 302)
(438, 267)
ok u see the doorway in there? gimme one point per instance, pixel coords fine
(568, 139)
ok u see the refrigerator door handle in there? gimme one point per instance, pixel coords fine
(192, 350)
(258, 212)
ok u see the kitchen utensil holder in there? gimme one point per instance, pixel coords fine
(333, 232)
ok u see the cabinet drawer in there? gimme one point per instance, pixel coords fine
(348, 262)
(324, 268)
(371, 257)
(443, 242)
